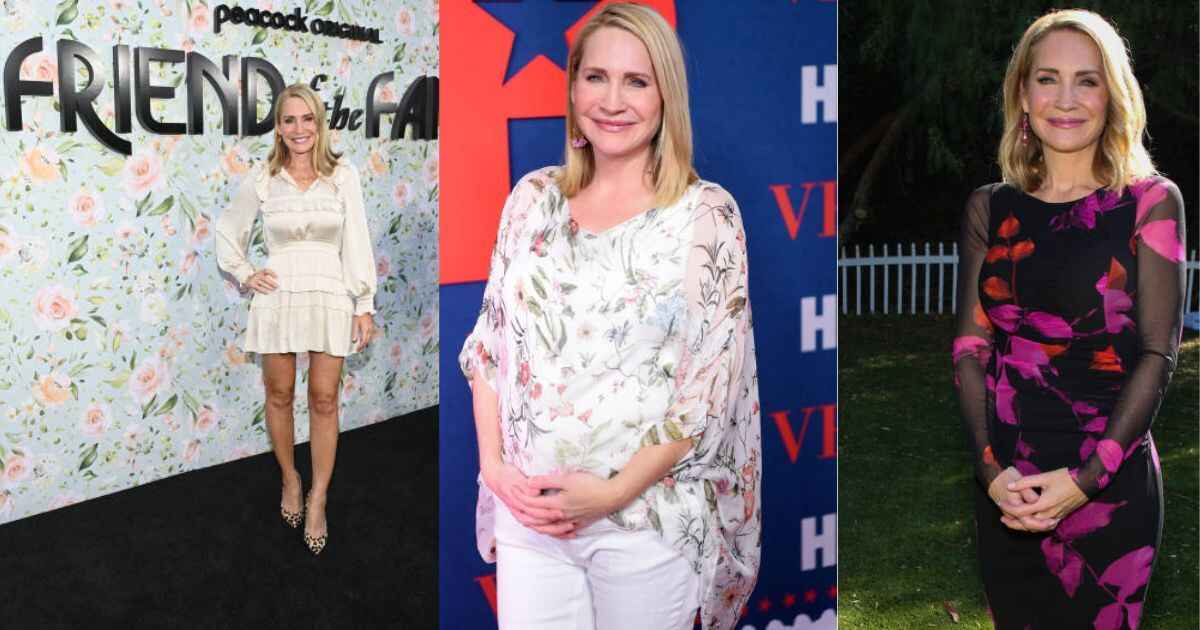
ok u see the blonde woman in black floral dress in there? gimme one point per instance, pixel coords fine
(1070, 314)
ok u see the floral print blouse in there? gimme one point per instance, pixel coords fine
(600, 343)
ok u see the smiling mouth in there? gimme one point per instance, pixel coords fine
(1065, 123)
(612, 125)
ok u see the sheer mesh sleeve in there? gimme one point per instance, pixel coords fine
(482, 349)
(714, 401)
(973, 336)
(1158, 243)
(708, 376)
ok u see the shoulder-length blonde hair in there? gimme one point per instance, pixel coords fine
(1121, 158)
(323, 157)
(671, 162)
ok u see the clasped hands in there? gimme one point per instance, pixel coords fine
(577, 498)
(1035, 503)
(266, 281)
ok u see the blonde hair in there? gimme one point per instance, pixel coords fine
(671, 167)
(1121, 158)
(323, 157)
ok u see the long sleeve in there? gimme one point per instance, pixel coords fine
(358, 258)
(716, 326)
(234, 227)
(1158, 239)
(482, 348)
(973, 337)
(714, 402)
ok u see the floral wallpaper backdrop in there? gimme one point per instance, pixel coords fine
(118, 337)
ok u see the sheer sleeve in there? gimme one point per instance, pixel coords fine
(714, 400)
(482, 348)
(358, 258)
(716, 324)
(234, 227)
(1158, 244)
(973, 335)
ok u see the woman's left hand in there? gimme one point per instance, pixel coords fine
(1060, 495)
(362, 328)
(582, 497)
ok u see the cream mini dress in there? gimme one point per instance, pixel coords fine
(318, 245)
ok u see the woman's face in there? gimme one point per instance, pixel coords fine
(297, 126)
(617, 103)
(1065, 95)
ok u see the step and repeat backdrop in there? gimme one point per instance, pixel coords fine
(128, 126)
(763, 80)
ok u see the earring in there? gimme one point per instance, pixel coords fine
(1025, 128)
(579, 142)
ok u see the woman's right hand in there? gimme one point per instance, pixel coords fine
(1006, 500)
(263, 281)
(511, 486)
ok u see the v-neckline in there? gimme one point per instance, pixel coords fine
(292, 180)
(620, 225)
(608, 230)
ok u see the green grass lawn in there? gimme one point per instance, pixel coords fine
(906, 535)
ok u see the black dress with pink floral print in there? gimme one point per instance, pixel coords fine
(1069, 322)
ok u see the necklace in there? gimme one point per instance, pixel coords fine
(304, 180)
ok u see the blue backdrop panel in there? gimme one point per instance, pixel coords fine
(751, 69)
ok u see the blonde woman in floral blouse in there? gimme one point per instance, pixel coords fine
(612, 365)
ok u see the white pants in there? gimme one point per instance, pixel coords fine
(605, 578)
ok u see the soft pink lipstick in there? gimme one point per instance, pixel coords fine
(1065, 123)
(611, 125)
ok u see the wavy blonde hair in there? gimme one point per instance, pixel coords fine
(1121, 157)
(671, 163)
(323, 157)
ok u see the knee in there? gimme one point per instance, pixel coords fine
(323, 404)
(280, 396)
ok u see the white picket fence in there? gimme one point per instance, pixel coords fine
(895, 281)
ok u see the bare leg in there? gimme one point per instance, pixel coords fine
(279, 379)
(324, 385)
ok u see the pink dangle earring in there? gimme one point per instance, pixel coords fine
(579, 142)
(1025, 128)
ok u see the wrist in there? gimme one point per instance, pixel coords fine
(620, 493)
(1080, 486)
(489, 464)
(998, 486)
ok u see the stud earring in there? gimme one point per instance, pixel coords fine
(579, 142)
(1025, 128)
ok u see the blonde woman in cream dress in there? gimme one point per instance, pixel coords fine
(315, 294)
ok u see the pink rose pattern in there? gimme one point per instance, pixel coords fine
(101, 235)
(54, 307)
(1058, 289)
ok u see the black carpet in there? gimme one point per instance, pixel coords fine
(207, 549)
